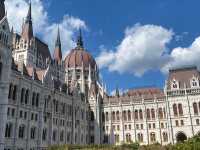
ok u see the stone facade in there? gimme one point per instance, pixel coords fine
(45, 100)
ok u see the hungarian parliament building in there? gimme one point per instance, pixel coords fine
(50, 100)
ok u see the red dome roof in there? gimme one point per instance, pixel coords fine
(78, 56)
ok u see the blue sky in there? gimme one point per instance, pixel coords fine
(105, 23)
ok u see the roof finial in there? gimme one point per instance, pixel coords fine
(80, 39)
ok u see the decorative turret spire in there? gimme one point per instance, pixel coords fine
(80, 39)
(27, 29)
(29, 15)
(57, 52)
(2, 9)
(117, 92)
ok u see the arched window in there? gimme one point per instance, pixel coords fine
(22, 95)
(140, 114)
(164, 113)
(136, 114)
(195, 108)
(8, 131)
(103, 117)
(128, 137)
(153, 114)
(152, 137)
(118, 118)
(91, 115)
(116, 138)
(62, 136)
(180, 109)
(113, 116)
(21, 132)
(165, 137)
(26, 96)
(129, 115)
(160, 113)
(140, 137)
(33, 98)
(107, 118)
(175, 110)
(10, 91)
(124, 115)
(14, 92)
(54, 135)
(148, 114)
(44, 134)
(37, 100)
(33, 133)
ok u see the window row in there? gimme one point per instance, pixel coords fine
(137, 115)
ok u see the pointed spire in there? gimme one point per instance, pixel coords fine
(58, 42)
(117, 92)
(27, 28)
(58, 52)
(2, 9)
(80, 39)
(29, 15)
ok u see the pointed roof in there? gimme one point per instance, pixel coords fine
(80, 39)
(27, 28)
(57, 56)
(2, 9)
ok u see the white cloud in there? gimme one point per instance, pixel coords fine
(121, 92)
(184, 56)
(17, 11)
(142, 49)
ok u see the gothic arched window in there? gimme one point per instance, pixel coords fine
(129, 115)
(8, 131)
(148, 114)
(141, 114)
(152, 137)
(117, 114)
(175, 110)
(22, 95)
(153, 116)
(33, 133)
(113, 116)
(26, 96)
(195, 108)
(180, 109)
(136, 114)
(160, 113)
(124, 116)
(107, 117)
(21, 132)
(165, 137)
(140, 137)
(103, 117)
(14, 92)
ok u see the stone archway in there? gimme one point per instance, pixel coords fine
(181, 137)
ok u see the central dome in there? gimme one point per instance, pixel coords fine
(79, 56)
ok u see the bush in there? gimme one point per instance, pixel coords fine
(190, 144)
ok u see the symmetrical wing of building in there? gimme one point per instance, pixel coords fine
(47, 100)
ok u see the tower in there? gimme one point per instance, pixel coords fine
(5, 67)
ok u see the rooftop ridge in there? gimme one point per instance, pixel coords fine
(187, 67)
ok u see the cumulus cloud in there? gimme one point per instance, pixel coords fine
(143, 48)
(184, 56)
(17, 11)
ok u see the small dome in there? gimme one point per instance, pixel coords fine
(78, 56)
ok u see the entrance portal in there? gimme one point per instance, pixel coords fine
(181, 137)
